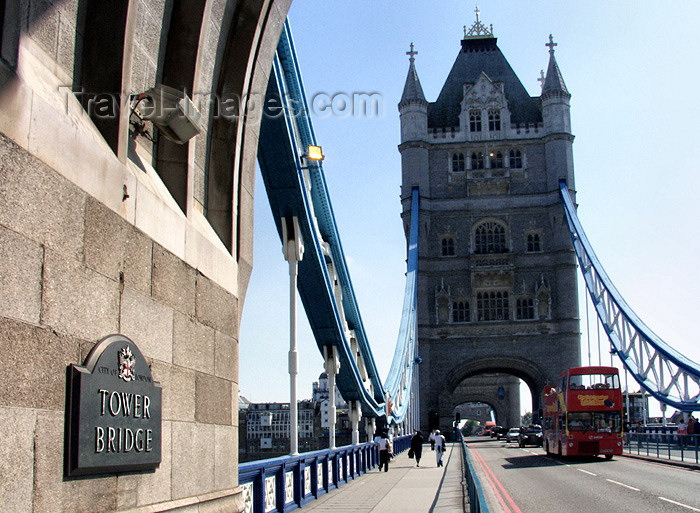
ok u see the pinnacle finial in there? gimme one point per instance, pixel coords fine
(551, 44)
(478, 29)
(412, 53)
(541, 79)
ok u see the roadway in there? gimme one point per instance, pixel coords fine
(527, 481)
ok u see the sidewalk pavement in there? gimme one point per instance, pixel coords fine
(404, 489)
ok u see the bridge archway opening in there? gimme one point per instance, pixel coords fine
(497, 381)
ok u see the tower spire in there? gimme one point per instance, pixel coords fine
(554, 82)
(412, 90)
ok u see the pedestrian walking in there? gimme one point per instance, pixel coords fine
(417, 446)
(439, 447)
(431, 438)
(384, 445)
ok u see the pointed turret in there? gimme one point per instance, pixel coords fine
(556, 118)
(554, 82)
(413, 107)
(412, 90)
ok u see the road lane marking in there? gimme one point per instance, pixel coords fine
(586, 472)
(497, 486)
(623, 484)
(679, 504)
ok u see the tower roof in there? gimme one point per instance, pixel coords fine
(412, 90)
(554, 82)
(477, 56)
(480, 54)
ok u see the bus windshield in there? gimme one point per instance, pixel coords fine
(594, 382)
(599, 421)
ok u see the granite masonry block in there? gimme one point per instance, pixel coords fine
(136, 490)
(105, 239)
(216, 307)
(178, 391)
(212, 400)
(193, 344)
(21, 262)
(138, 260)
(77, 300)
(193, 462)
(38, 358)
(149, 324)
(226, 357)
(39, 203)
(173, 281)
(57, 495)
(17, 458)
(225, 468)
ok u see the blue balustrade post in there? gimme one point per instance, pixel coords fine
(259, 492)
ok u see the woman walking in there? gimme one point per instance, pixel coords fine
(417, 446)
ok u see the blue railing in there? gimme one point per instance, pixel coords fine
(289, 482)
(665, 445)
(475, 491)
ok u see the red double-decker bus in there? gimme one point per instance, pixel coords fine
(582, 415)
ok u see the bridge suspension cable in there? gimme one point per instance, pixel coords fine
(297, 189)
(667, 375)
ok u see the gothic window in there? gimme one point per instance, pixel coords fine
(515, 159)
(492, 306)
(458, 163)
(490, 237)
(477, 160)
(448, 246)
(533, 243)
(494, 120)
(496, 159)
(525, 309)
(460, 311)
(475, 121)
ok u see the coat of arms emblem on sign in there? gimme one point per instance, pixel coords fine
(127, 362)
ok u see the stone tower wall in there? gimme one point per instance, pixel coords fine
(105, 232)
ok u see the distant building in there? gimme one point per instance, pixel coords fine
(321, 395)
(264, 429)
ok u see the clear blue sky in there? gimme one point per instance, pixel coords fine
(632, 69)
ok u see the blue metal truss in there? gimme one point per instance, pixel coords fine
(666, 374)
(296, 187)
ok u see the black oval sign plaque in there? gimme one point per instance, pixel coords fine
(114, 411)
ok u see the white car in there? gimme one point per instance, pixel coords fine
(512, 435)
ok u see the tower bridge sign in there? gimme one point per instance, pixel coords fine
(113, 412)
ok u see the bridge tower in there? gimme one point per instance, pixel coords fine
(497, 273)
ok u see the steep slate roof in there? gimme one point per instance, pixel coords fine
(412, 90)
(554, 83)
(479, 55)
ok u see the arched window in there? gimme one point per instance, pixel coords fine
(490, 237)
(448, 246)
(494, 120)
(496, 159)
(492, 306)
(475, 121)
(515, 159)
(460, 311)
(458, 163)
(525, 309)
(533, 243)
(477, 160)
